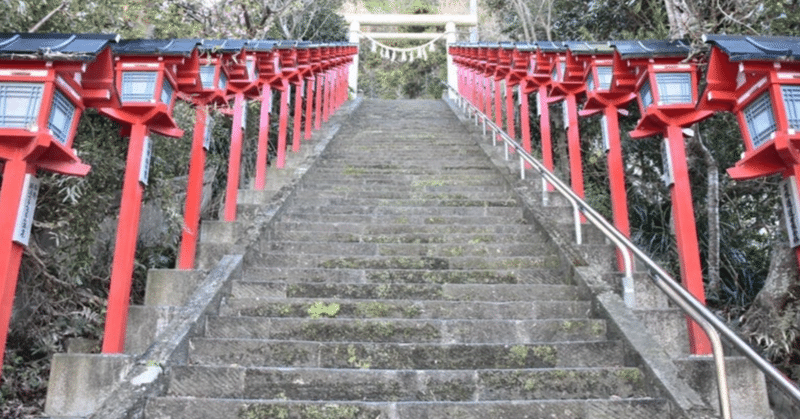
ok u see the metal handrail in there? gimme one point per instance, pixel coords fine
(711, 324)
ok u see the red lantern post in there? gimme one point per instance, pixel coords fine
(539, 79)
(240, 64)
(608, 100)
(42, 97)
(567, 84)
(268, 64)
(288, 61)
(520, 60)
(667, 94)
(211, 92)
(147, 79)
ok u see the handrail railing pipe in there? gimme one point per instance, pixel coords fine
(708, 321)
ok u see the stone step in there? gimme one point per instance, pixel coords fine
(405, 330)
(433, 166)
(390, 355)
(406, 171)
(403, 238)
(358, 291)
(405, 385)
(408, 191)
(388, 227)
(420, 309)
(409, 276)
(389, 194)
(441, 202)
(276, 259)
(407, 211)
(408, 249)
(442, 217)
(204, 408)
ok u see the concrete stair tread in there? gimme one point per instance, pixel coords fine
(411, 210)
(391, 228)
(407, 385)
(444, 202)
(279, 259)
(407, 330)
(305, 236)
(554, 276)
(194, 408)
(463, 249)
(420, 309)
(391, 195)
(410, 218)
(453, 292)
(393, 355)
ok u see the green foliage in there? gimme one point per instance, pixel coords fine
(381, 78)
(406, 7)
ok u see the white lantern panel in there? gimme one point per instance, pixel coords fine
(604, 75)
(19, 104)
(207, 76)
(760, 120)
(791, 102)
(674, 88)
(251, 69)
(646, 95)
(138, 86)
(166, 92)
(61, 114)
(222, 84)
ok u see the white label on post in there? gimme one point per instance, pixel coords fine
(269, 102)
(604, 132)
(208, 131)
(27, 204)
(519, 95)
(666, 158)
(565, 113)
(144, 165)
(538, 105)
(791, 209)
(244, 115)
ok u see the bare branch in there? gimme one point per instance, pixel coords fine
(39, 24)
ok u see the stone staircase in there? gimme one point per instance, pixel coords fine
(401, 281)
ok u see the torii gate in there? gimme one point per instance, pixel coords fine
(450, 22)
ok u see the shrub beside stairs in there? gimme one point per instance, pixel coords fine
(401, 276)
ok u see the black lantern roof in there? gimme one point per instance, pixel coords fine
(261, 45)
(589, 47)
(526, 47)
(760, 48)
(183, 47)
(54, 46)
(548, 46)
(647, 49)
(224, 46)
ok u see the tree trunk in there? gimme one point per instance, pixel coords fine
(770, 319)
(683, 19)
(712, 212)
